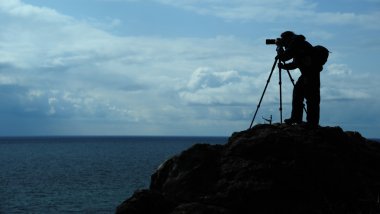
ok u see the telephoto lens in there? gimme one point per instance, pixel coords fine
(270, 41)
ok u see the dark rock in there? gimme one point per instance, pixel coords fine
(189, 175)
(268, 169)
(198, 208)
(146, 201)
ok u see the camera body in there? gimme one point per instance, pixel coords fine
(277, 42)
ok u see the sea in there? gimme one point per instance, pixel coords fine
(81, 174)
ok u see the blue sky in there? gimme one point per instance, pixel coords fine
(165, 67)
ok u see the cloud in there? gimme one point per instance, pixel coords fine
(339, 18)
(338, 70)
(342, 83)
(70, 73)
(55, 67)
(212, 88)
(17, 8)
(203, 78)
(244, 10)
(275, 11)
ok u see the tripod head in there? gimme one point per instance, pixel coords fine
(280, 50)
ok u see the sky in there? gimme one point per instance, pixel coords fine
(169, 67)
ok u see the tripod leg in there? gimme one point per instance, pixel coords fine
(262, 95)
(291, 78)
(280, 84)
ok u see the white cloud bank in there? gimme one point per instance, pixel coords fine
(55, 67)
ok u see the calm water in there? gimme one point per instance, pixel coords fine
(81, 174)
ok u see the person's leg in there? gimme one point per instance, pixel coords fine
(313, 100)
(297, 102)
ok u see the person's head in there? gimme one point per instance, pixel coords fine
(287, 37)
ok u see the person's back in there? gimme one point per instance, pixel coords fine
(301, 51)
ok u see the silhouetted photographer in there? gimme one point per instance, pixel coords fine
(309, 61)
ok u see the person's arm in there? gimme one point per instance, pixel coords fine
(288, 66)
(286, 55)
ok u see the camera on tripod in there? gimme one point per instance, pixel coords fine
(277, 42)
(280, 48)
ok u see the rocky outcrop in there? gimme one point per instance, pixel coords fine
(268, 169)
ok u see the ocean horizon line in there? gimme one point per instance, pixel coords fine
(5, 137)
(111, 136)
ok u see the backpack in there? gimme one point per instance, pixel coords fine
(320, 55)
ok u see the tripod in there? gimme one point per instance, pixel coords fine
(280, 86)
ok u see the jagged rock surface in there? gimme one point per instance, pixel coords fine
(268, 169)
